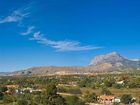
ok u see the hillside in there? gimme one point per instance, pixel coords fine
(112, 62)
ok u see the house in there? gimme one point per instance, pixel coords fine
(120, 82)
(106, 99)
(11, 88)
(117, 99)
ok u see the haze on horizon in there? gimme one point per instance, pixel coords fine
(66, 32)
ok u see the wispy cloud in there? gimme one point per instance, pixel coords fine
(15, 16)
(18, 15)
(65, 45)
(28, 31)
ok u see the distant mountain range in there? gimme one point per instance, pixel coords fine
(4, 73)
(108, 63)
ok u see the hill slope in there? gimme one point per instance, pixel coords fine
(112, 62)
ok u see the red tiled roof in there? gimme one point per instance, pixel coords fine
(104, 97)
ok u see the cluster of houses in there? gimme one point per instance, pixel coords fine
(25, 90)
(109, 100)
(21, 90)
(105, 99)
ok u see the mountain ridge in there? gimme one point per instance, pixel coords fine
(111, 62)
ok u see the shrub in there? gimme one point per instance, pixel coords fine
(126, 99)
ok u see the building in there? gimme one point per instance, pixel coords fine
(11, 88)
(120, 82)
(117, 99)
(106, 99)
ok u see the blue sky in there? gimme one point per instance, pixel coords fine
(66, 32)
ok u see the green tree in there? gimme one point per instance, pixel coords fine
(8, 99)
(51, 97)
(51, 90)
(116, 103)
(22, 102)
(132, 85)
(56, 100)
(105, 91)
(85, 82)
(74, 100)
(108, 83)
(3, 89)
(1, 95)
(126, 99)
(117, 86)
(90, 97)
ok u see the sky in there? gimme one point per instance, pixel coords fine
(66, 32)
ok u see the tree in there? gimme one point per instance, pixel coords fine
(8, 99)
(51, 90)
(74, 100)
(3, 89)
(90, 97)
(51, 97)
(1, 95)
(108, 83)
(85, 82)
(93, 97)
(56, 100)
(116, 103)
(132, 85)
(126, 99)
(105, 91)
(22, 102)
(117, 86)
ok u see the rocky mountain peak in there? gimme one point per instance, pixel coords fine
(111, 58)
(113, 54)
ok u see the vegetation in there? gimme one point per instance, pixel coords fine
(126, 99)
(69, 90)
(74, 100)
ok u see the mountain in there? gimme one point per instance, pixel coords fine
(116, 61)
(4, 73)
(111, 62)
(112, 58)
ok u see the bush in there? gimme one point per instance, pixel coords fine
(116, 103)
(126, 99)
(51, 90)
(51, 97)
(90, 97)
(8, 99)
(105, 92)
(117, 86)
(22, 102)
(3, 89)
(74, 100)
(1, 95)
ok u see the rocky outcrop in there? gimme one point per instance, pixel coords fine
(116, 60)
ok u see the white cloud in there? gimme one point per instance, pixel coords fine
(16, 16)
(28, 31)
(62, 45)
